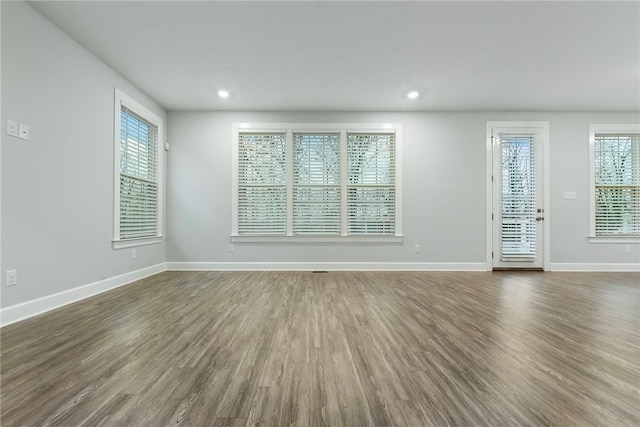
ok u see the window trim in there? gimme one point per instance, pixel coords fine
(122, 99)
(593, 130)
(290, 129)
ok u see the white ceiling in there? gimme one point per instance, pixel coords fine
(366, 56)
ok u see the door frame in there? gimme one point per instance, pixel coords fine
(546, 227)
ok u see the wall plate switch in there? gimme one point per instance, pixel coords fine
(416, 249)
(231, 249)
(12, 128)
(11, 278)
(24, 132)
(627, 249)
(134, 253)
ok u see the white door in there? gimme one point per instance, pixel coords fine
(518, 211)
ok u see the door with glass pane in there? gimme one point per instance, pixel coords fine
(518, 212)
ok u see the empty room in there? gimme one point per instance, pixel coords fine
(320, 213)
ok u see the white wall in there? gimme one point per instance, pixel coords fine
(57, 188)
(444, 191)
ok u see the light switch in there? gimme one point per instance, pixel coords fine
(24, 132)
(12, 128)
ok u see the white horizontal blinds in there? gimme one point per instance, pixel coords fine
(316, 183)
(617, 184)
(518, 202)
(138, 176)
(371, 193)
(262, 183)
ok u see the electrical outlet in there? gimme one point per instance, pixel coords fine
(627, 249)
(416, 249)
(24, 132)
(134, 253)
(12, 128)
(12, 278)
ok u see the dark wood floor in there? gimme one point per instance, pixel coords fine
(333, 349)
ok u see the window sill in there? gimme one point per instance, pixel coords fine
(131, 243)
(614, 239)
(377, 239)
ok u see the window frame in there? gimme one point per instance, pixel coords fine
(122, 99)
(608, 129)
(320, 128)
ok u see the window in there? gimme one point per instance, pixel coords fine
(335, 182)
(615, 181)
(517, 195)
(371, 188)
(316, 183)
(262, 191)
(137, 195)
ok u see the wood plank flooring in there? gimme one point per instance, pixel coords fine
(333, 349)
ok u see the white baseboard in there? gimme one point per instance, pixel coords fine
(589, 267)
(327, 266)
(22, 311)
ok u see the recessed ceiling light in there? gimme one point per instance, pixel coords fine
(413, 95)
(223, 94)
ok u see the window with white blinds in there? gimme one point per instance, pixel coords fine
(339, 182)
(616, 181)
(316, 183)
(138, 198)
(262, 183)
(138, 176)
(371, 183)
(518, 233)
